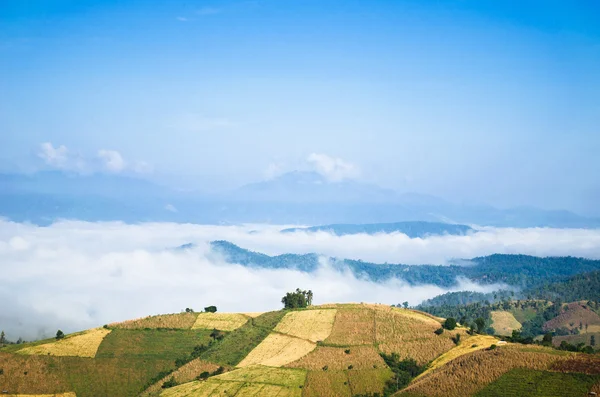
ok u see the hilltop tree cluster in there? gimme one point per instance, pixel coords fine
(297, 299)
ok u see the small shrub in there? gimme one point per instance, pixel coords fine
(325, 368)
(456, 339)
(347, 351)
(1, 371)
(170, 383)
(492, 347)
(350, 366)
(59, 334)
(210, 309)
(439, 331)
(450, 323)
(474, 345)
(203, 375)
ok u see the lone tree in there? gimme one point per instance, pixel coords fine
(217, 334)
(450, 323)
(297, 299)
(210, 309)
(593, 340)
(405, 304)
(60, 334)
(480, 323)
(2, 338)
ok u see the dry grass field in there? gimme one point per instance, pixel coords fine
(252, 381)
(203, 389)
(253, 314)
(470, 373)
(353, 326)
(69, 394)
(314, 325)
(411, 334)
(466, 347)
(170, 321)
(185, 373)
(327, 384)
(261, 374)
(572, 316)
(277, 350)
(220, 321)
(335, 358)
(504, 323)
(81, 345)
(368, 381)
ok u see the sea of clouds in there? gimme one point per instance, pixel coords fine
(74, 275)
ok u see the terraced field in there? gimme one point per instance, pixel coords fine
(504, 323)
(526, 382)
(168, 321)
(312, 325)
(470, 373)
(220, 321)
(251, 381)
(84, 344)
(331, 350)
(186, 373)
(411, 334)
(278, 350)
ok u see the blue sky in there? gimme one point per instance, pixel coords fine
(481, 101)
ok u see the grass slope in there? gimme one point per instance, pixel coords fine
(84, 344)
(252, 381)
(521, 382)
(504, 322)
(470, 373)
(237, 344)
(87, 377)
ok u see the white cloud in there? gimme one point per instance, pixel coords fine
(142, 167)
(332, 168)
(273, 170)
(112, 160)
(182, 19)
(57, 157)
(61, 158)
(60, 277)
(170, 208)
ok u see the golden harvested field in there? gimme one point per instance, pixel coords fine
(411, 334)
(253, 314)
(470, 373)
(220, 321)
(368, 381)
(465, 347)
(173, 321)
(70, 394)
(353, 326)
(82, 345)
(504, 323)
(327, 384)
(335, 358)
(572, 316)
(277, 350)
(260, 374)
(252, 381)
(314, 325)
(207, 388)
(185, 373)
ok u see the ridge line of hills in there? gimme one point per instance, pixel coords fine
(514, 270)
